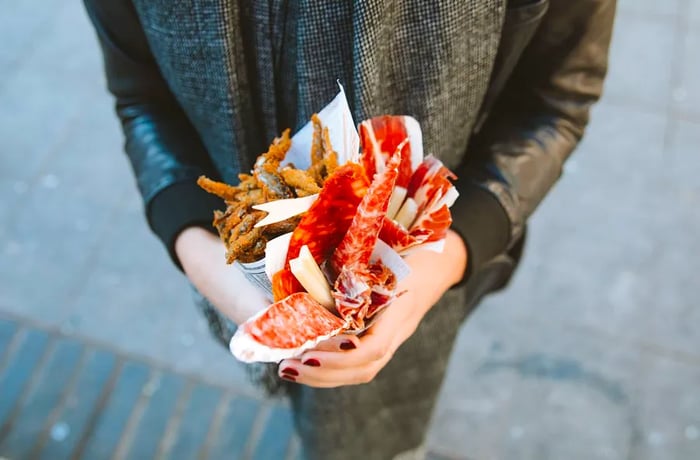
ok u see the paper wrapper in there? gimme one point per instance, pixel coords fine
(345, 141)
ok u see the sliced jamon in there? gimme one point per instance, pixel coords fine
(328, 219)
(361, 293)
(357, 244)
(285, 329)
(431, 189)
(324, 224)
(379, 138)
(351, 260)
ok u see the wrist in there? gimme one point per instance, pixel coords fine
(456, 252)
(432, 274)
(196, 248)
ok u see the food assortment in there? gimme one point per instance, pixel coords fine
(331, 235)
(269, 181)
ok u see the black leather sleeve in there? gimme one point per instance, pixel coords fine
(535, 124)
(164, 149)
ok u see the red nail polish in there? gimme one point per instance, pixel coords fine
(290, 371)
(289, 377)
(347, 346)
(312, 362)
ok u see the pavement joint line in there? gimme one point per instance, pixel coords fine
(658, 351)
(11, 347)
(294, 447)
(29, 387)
(687, 117)
(633, 105)
(256, 431)
(629, 13)
(58, 408)
(439, 454)
(680, 33)
(217, 423)
(126, 440)
(172, 428)
(127, 355)
(99, 407)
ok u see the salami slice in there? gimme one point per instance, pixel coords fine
(285, 329)
(379, 138)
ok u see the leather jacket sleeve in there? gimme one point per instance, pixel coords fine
(164, 149)
(535, 124)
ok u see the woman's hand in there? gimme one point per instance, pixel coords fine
(203, 258)
(349, 360)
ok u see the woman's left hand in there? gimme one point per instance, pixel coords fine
(351, 360)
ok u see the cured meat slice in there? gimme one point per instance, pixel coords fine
(285, 329)
(379, 138)
(284, 283)
(430, 183)
(356, 281)
(324, 224)
(383, 288)
(433, 192)
(361, 293)
(356, 247)
(328, 219)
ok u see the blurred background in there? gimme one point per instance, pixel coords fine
(592, 353)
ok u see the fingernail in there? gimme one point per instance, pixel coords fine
(347, 346)
(290, 371)
(312, 362)
(288, 377)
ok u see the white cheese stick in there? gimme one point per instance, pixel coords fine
(397, 197)
(407, 214)
(280, 210)
(309, 274)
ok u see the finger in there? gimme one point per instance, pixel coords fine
(339, 343)
(369, 349)
(294, 370)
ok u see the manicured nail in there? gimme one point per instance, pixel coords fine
(347, 346)
(312, 362)
(290, 371)
(289, 377)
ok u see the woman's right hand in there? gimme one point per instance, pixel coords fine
(203, 258)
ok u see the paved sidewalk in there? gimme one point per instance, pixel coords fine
(592, 353)
(65, 398)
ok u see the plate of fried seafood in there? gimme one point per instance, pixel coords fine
(322, 222)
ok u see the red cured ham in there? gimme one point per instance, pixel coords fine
(357, 281)
(379, 138)
(432, 190)
(293, 321)
(362, 292)
(324, 224)
(356, 246)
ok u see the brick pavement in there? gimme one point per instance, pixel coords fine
(66, 398)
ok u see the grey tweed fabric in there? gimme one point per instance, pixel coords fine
(244, 71)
